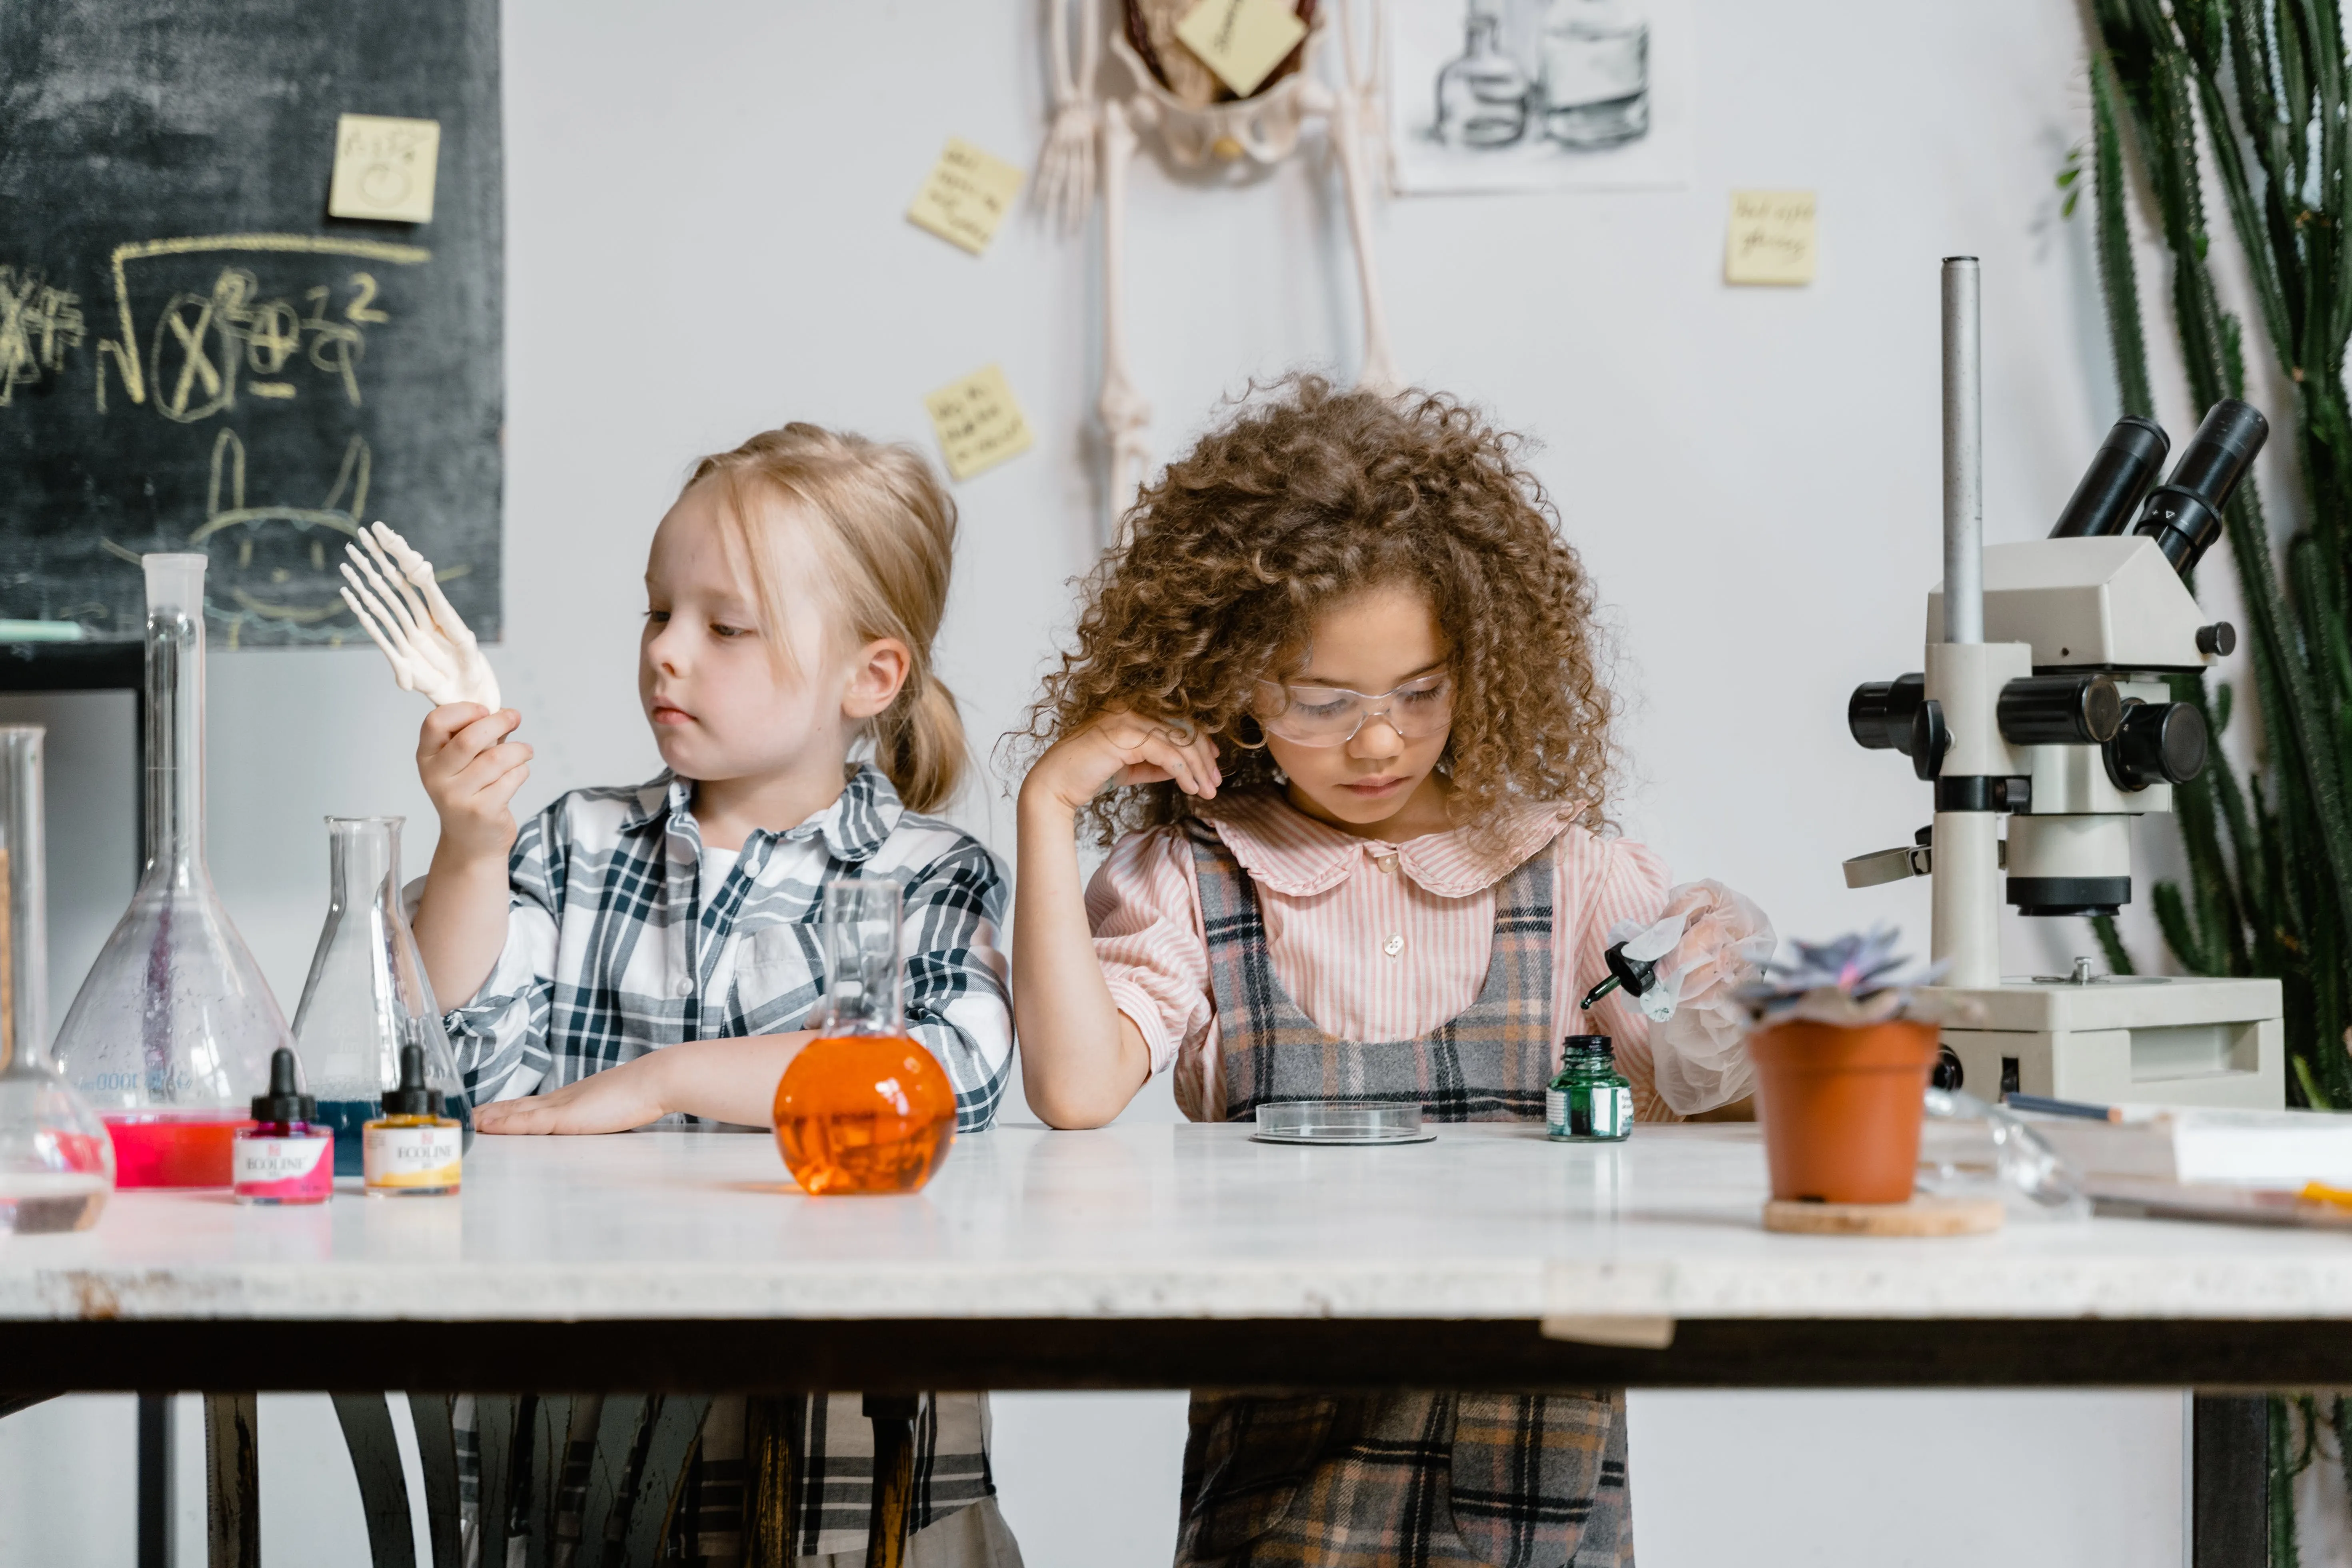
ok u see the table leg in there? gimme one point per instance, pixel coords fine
(893, 1415)
(232, 1482)
(155, 1460)
(366, 1421)
(2229, 1524)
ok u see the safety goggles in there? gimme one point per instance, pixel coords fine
(1331, 715)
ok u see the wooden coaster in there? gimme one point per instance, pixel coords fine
(1920, 1217)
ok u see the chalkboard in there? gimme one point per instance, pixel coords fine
(194, 356)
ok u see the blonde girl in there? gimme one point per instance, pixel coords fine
(637, 956)
(1336, 707)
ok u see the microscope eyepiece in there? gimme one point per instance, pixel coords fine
(2127, 462)
(2184, 515)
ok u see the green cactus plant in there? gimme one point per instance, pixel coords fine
(2270, 852)
(2269, 889)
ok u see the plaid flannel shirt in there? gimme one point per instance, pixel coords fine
(613, 950)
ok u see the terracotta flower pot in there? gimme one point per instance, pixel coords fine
(1841, 1107)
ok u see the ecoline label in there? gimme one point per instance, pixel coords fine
(291, 1170)
(420, 1156)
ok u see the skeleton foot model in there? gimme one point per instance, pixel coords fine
(395, 598)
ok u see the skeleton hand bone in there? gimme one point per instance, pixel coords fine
(431, 649)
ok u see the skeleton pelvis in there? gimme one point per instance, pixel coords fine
(1262, 130)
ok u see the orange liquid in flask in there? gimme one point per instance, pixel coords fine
(864, 1113)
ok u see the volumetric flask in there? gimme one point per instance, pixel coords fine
(368, 996)
(172, 1033)
(56, 1166)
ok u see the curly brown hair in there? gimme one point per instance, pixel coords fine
(1305, 495)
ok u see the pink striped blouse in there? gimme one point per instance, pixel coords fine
(1375, 940)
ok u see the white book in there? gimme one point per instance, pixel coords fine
(2234, 1148)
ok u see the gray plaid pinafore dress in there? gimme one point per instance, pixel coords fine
(1428, 1478)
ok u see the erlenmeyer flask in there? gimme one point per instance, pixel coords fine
(865, 1108)
(368, 994)
(172, 1033)
(56, 1164)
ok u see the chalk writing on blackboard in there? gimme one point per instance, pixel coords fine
(203, 342)
(38, 324)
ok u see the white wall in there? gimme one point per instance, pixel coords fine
(704, 206)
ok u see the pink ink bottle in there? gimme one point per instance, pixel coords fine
(283, 1157)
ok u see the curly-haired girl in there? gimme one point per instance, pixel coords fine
(1336, 704)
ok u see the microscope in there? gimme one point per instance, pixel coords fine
(2044, 702)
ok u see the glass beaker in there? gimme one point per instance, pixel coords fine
(57, 1166)
(170, 1034)
(865, 1108)
(1596, 72)
(368, 996)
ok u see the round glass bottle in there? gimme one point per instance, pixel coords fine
(1590, 1101)
(1482, 97)
(865, 1108)
(57, 1165)
(171, 1035)
(367, 997)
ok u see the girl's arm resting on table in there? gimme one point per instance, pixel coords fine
(1081, 1060)
(719, 1080)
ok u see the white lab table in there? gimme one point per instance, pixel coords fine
(1145, 1256)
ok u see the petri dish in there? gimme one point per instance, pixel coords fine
(1353, 1121)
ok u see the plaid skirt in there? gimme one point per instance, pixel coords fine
(1327, 1480)
(1435, 1479)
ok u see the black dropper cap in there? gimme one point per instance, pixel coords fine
(412, 1098)
(284, 1101)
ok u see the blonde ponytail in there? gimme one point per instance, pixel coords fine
(919, 742)
(883, 528)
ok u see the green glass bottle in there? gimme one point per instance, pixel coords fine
(1591, 1102)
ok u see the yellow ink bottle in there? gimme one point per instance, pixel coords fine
(412, 1150)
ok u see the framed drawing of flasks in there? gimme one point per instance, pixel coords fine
(1219, 85)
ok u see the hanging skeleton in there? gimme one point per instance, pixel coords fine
(1167, 90)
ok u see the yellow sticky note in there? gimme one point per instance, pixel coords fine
(978, 423)
(1241, 40)
(965, 196)
(1771, 238)
(383, 168)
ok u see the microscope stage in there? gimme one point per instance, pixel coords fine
(2150, 1040)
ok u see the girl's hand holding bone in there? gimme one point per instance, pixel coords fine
(397, 599)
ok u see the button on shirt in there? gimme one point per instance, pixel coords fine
(1375, 940)
(625, 934)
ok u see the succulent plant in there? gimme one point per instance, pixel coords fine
(1857, 978)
